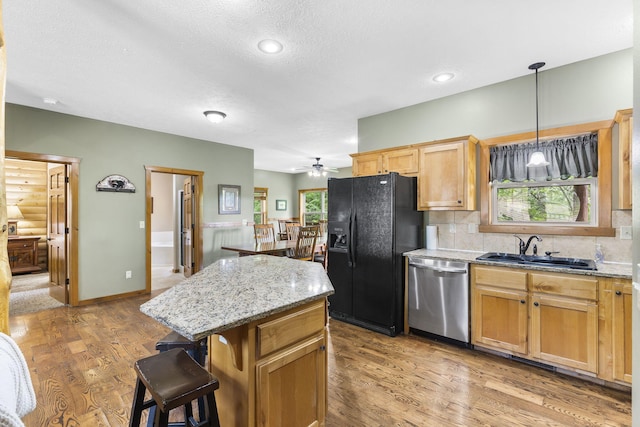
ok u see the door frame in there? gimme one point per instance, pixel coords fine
(197, 214)
(72, 211)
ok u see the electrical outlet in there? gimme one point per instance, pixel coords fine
(141, 224)
(472, 228)
(127, 274)
(626, 233)
(452, 228)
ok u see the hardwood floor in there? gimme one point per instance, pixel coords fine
(81, 366)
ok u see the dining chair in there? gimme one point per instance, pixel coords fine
(306, 243)
(292, 230)
(282, 229)
(264, 233)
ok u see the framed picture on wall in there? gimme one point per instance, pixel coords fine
(281, 205)
(13, 228)
(229, 202)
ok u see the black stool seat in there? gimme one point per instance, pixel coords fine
(174, 379)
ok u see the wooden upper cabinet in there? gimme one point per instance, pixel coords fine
(404, 161)
(624, 122)
(366, 164)
(447, 178)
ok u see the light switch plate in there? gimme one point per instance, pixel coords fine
(452, 228)
(141, 224)
(472, 228)
(626, 233)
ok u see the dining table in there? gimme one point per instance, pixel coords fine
(277, 248)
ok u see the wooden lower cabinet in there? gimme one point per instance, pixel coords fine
(621, 310)
(499, 309)
(273, 371)
(565, 332)
(552, 318)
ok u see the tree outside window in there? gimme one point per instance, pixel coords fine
(313, 205)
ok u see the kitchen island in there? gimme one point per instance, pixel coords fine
(266, 321)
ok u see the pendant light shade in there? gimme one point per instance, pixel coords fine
(537, 158)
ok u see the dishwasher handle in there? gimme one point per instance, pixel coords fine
(439, 269)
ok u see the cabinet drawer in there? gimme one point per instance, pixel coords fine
(500, 277)
(565, 284)
(286, 330)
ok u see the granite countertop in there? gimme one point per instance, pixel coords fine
(607, 269)
(235, 291)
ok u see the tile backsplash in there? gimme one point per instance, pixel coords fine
(459, 230)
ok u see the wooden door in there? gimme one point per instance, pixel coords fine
(575, 344)
(621, 325)
(57, 233)
(291, 388)
(187, 226)
(499, 319)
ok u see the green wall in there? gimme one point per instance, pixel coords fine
(582, 92)
(110, 239)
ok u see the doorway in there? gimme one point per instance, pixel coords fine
(173, 234)
(61, 232)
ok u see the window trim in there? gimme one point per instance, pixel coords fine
(604, 129)
(301, 200)
(263, 203)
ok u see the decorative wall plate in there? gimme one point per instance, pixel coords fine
(117, 183)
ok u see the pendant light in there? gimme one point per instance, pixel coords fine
(537, 158)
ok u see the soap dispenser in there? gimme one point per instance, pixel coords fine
(599, 256)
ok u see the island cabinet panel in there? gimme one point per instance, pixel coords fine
(273, 371)
(499, 309)
(290, 389)
(621, 324)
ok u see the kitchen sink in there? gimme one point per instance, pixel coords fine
(547, 261)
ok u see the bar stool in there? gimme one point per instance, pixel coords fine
(174, 379)
(195, 349)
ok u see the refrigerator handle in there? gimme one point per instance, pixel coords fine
(353, 229)
(350, 246)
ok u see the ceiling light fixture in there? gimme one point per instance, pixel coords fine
(537, 158)
(215, 116)
(443, 77)
(50, 101)
(270, 46)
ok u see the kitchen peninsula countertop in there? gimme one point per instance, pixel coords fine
(607, 269)
(236, 291)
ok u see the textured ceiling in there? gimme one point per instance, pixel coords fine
(158, 64)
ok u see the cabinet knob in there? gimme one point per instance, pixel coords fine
(536, 303)
(459, 201)
(522, 301)
(618, 293)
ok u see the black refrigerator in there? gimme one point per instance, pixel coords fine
(372, 221)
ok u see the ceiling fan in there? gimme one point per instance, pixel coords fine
(318, 169)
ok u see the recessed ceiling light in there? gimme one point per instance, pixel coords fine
(50, 101)
(215, 116)
(270, 46)
(443, 77)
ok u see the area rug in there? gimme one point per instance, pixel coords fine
(30, 293)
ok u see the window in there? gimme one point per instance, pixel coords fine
(571, 196)
(313, 205)
(571, 202)
(260, 205)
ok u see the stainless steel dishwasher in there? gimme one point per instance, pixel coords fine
(439, 297)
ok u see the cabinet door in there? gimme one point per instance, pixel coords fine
(291, 386)
(442, 183)
(564, 331)
(499, 319)
(624, 120)
(621, 323)
(367, 164)
(404, 161)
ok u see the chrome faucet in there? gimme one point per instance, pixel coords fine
(524, 246)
